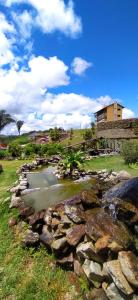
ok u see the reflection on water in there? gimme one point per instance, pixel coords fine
(51, 190)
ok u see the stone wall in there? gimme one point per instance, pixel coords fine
(122, 129)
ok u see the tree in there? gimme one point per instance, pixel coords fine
(55, 134)
(71, 132)
(73, 160)
(87, 134)
(93, 128)
(19, 125)
(5, 119)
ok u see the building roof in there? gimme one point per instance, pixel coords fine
(108, 106)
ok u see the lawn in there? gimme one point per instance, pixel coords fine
(115, 163)
(25, 274)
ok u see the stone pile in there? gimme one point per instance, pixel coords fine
(85, 238)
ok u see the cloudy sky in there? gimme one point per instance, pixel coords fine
(62, 60)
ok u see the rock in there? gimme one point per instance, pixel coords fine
(48, 217)
(15, 201)
(126, 191)
(96, 294)
(113, 269)
(12, 222)
(22, 187)
(75, 234)
(31, 238)
(14, 189)
(78, 268)
(66, 262)
(123, 175)
(37, 217)
(54, 223)
(99, 224)
(24, 183)
(46, 237)
(87, 251)
(129, 266)
(26, 211)
(89, 198)
(59, 244)
(94, 272)
(75, 214)
(112, 292)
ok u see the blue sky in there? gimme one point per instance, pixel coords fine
(60, 61)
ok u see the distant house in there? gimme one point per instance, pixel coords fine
(112, 112)
(3, 147)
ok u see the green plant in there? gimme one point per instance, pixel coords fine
(32, 149)
(130, 152)
(5, 119)
(52, 149)
(15, 149)
(2, 154)
(73, 160)
(87, 135)
(55, 134)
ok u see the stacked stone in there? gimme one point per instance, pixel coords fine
(86, 239)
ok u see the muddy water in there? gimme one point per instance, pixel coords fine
(51, 190)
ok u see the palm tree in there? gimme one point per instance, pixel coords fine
(73, 160)
(19, 125)
(5, 119)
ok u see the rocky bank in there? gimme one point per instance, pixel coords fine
(95, 233)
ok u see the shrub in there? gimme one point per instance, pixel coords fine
(87, 134)
(130, 152)
(2, 154)
(52, 149)
(15, 149)
(31, 149)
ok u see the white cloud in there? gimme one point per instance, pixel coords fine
(24, 22)
(24, 90)
(79, 66)
(53, 15)
(128, 113)
(6, 43)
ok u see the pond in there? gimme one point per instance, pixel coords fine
(48, 190)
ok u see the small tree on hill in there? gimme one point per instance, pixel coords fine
(87, 134)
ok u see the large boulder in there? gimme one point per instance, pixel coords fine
(127, 191)
(93, 272)
(113, 269)
(129, 266)
(102, 229)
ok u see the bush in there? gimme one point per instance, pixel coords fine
(2, 154)
(31, 149)
(52, 149)
(130, 152)
(15, 149)
(87, 134)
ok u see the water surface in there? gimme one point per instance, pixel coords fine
(51, 190)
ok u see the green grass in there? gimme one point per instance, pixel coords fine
(76, 138)
(24, 274)
(115, 163)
